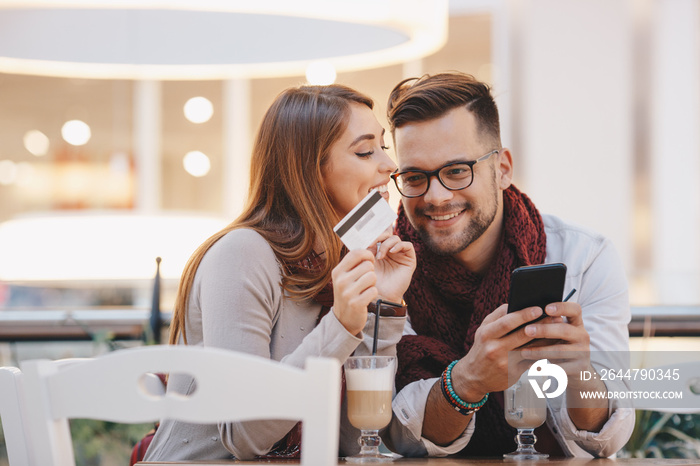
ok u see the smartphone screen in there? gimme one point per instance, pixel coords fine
(536, 285)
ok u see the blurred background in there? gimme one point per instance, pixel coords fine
(126, 127)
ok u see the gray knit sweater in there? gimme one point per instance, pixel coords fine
(237, 303)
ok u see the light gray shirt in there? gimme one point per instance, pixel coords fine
(237, 303)
(595, 270)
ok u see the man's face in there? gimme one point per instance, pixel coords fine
(449, 221)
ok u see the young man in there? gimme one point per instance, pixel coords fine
(471, 228)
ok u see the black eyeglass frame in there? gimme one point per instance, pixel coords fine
(436, 173)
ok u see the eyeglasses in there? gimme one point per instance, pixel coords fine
(453, 176)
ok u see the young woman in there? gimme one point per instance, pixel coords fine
(277, 282)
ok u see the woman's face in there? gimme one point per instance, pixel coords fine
(357, 162)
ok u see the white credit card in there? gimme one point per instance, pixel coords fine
(365, 222)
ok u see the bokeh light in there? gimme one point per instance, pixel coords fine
(36, 142)
(76, 132)
(8, 172)
(198, 109)
(196, 163)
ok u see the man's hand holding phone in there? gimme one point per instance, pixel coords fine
(569, 342)
(560, 323)
(558, 335)
(541, 287)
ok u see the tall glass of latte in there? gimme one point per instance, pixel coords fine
(524, 411)
(370, 382)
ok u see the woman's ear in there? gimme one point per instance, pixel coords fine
(504, 168)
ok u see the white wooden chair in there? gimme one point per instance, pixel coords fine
(12, 407)
(112, 388)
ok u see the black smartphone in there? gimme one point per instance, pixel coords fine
(536, 285)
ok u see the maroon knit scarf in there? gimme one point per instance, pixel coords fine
(447, 303)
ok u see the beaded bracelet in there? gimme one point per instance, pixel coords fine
(459, 405)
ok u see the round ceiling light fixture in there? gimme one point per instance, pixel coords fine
(213, 39)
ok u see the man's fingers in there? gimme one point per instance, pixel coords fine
(572, 312)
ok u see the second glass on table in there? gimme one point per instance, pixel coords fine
(370, 383)
(524, 411)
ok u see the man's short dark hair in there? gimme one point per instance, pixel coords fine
(429, 97)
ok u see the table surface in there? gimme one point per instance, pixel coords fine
(463, 462)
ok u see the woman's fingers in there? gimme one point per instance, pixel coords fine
(354, 281)
(393, 247)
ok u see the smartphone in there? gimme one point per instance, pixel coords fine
(536, 285)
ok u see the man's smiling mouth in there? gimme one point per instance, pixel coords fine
(444, 217)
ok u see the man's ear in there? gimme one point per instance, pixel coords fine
(504, 168)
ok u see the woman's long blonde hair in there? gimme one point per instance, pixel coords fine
(287, 201)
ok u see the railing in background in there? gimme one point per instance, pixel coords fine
(666, 321)
(76, 324)
(134, 323)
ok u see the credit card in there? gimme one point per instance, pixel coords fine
(361, 227)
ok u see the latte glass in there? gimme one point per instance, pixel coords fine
(370, 382)
(524, 411)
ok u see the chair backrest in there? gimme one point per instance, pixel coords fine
(112, 388)
(12, 406)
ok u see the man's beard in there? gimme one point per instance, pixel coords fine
(481, 220)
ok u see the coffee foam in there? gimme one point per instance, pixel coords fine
(370, 379)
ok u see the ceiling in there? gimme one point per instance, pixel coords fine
(45, 103)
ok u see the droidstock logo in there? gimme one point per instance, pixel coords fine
(544, 368)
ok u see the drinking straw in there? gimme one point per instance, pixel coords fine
(376, 327)
(378, 308)
(571, 293)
